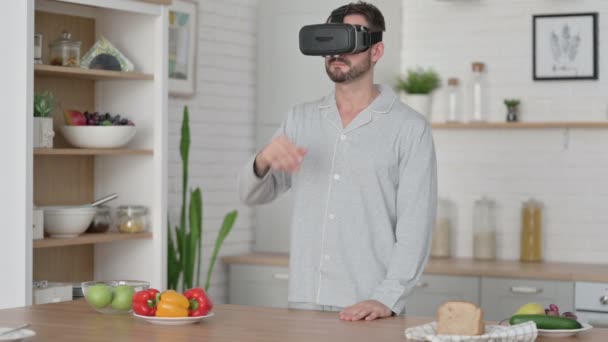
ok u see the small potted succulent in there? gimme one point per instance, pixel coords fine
(512, 109)
(416, 89)
(44, 104)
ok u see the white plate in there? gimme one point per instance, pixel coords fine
(563, 332)
(172, 320)
(18, 335)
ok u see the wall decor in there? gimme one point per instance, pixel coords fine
(564, 46)
(182, 47)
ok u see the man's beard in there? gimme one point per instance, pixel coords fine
(355, 72)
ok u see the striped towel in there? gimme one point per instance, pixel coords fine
(525, 332)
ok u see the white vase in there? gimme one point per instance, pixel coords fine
(419, 102)
(43, 132)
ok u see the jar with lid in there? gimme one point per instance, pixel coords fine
(531, 232)
(132, 218)
(484, 229)
(478, 90)
(453, 100)
(102, 221)
(440, 246)
(65, 51)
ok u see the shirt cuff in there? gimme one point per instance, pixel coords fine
(392, 295)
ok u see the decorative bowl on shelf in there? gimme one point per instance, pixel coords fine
(98, 136)
(67, 222)
(112, 296)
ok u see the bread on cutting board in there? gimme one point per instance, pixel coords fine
(460, 318)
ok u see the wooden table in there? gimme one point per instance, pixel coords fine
(76, 321)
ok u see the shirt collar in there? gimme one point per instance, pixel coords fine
(381, 104)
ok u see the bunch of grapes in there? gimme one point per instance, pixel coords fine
(97, 119)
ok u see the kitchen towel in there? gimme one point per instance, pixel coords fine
(525, 332)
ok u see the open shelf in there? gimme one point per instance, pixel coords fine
(520, 125)
(87, 239)
(87, 74)
(89, 152)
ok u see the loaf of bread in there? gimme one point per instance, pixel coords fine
(460, 318)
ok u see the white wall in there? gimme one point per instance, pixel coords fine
(16, 30)
(564, 169)
(222, 127)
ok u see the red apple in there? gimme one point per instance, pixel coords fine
(74, 118)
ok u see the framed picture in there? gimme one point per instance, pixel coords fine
(565, 47)
(182, 47)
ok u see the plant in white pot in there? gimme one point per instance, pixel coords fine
(416, 89)
(44, 103)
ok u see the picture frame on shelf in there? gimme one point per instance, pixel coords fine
(565, 46)
(183, 27)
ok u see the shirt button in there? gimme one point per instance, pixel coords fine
(332, 216)
(326, 257)
(343, 137)
(337, 176)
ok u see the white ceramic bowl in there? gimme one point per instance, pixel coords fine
(66, 222)
(98, 136)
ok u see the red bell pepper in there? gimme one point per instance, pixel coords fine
(144, 302)
(200, 304)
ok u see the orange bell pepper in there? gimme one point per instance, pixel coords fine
(172, 304)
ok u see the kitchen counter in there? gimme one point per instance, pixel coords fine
(77, 321)
(470, 267)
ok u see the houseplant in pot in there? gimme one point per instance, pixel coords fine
(44, 103)
(416, 88)
(512, 109)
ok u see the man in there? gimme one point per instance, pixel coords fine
(363, 171)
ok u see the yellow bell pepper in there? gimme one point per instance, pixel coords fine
(172, 304)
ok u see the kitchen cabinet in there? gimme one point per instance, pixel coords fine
(501, 297)
(258, 285)
(432, 290)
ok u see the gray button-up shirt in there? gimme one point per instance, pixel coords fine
(364, 201)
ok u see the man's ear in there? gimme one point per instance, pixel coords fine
(377, 51)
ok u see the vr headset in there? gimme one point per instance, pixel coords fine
(336, 38)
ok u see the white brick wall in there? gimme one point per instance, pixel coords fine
(567, 173)
(222, 127)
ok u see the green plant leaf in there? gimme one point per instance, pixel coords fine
(227, 225)
(184, 147)
(173, 265)
(196, 218)
(419, 81)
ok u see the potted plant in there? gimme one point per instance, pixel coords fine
(512, 109)
(416, 89)
(44, 103)
(184, 252)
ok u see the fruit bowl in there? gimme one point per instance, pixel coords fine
(112, 296)
(98, 136)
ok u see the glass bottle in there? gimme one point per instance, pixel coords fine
(484, 229)
(531, 232)
(453, 101)
(478, 92)
(440, 246)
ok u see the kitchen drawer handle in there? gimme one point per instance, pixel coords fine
(526, 289)
(420, 285)
(281, 276)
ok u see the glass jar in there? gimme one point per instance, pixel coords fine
(102, 220)
(65, 51)
(132, 218)
(484, 229)
(531, 232)
(440, 246)
(478, 89)
(453, 101)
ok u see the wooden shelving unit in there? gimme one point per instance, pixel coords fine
(90, 152)
(520, 125)
(87, 74)
(87, 239)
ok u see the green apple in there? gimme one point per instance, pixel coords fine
(123, 297)
(99, 295)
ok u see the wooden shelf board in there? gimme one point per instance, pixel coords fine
(89, 152)
(87, 74)
(520, 125)
(87, 239)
